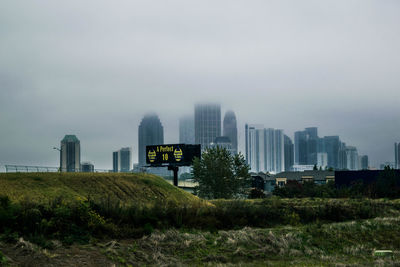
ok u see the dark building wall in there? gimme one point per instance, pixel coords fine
(347, 178)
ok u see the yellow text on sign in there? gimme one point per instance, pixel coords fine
(165, 156)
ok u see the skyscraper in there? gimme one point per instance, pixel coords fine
(207, 123)
(264, 149)
(363, 162)
(312, 145)
(151, 132)
(115, 161)
(252, 146)
(70, 159)
(186, 130)
(351, 158)
(300, 148)
(122, 160)
(230, 129)
(306, 146)
(397, 155)
(279, 151)
(332, 147)
(289, 153)
(322, 160)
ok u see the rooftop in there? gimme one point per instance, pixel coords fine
(70, 138)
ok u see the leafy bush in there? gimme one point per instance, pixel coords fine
(80, 220)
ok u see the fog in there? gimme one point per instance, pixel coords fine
(94, 68)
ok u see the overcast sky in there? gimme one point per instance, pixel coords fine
(94, 68)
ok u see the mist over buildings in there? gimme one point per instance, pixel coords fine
(95, 68)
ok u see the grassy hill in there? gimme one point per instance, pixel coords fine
(137, 189)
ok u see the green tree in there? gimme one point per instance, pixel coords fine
(221, 175)
(388, 183)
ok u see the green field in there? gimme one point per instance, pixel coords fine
(130, 189)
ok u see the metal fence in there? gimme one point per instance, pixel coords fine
(23, 168)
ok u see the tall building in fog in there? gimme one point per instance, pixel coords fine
(351, 158)
(397, 155)
(363, 162)
(186, 130)
(251, 139)
(207, 123)
(122, 160)
(300, 148)
(230, 129)
(331, 147)
(306, 146)
(279, 151)
(70, 154)
(265, 150)
(289, 153)
(151, 132)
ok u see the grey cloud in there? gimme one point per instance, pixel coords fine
(94, 68)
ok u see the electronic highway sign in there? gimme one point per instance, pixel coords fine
(172, 155)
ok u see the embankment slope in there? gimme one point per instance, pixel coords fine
(137, 189)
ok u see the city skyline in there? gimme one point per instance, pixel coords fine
(94, 71)
(185, 118)
(241, 146)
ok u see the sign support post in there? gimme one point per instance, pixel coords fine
(175, 169)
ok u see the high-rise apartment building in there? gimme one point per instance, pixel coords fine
(207, 123)
(252, 146)
(331, 147)
(122, 160)
(322, 160)
(87, 167)
(70, 154)
(351, 158)
(186, 130)
(115, 161)
(363, 162)
(300, 148)
(230, 130)
(279, 151)
(151, 132)
(265, 150)
(289, 153)
(306, 146)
